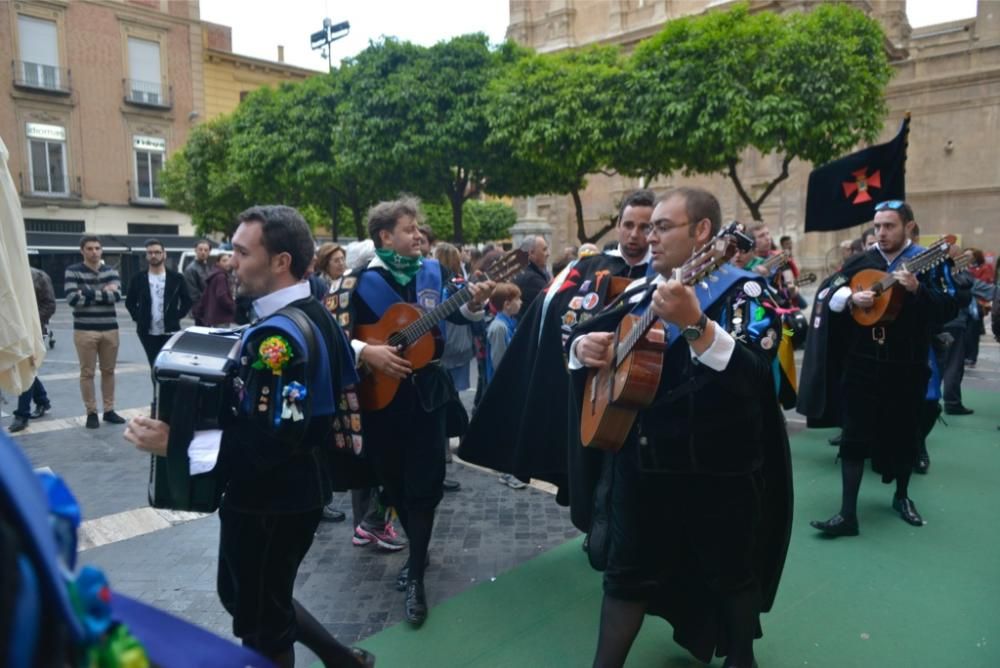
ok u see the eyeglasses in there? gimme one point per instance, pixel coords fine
(643, 228)
(662, 226)
(893, 204)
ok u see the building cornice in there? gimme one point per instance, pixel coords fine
(239, 60)
(145, 15)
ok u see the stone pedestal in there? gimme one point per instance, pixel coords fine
(530, 224)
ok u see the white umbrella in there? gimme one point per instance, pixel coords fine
(21, 346)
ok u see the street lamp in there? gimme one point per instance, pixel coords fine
(330, 33)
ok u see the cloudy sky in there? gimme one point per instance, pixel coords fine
(259, 26)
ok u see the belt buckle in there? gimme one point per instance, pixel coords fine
(878, 335)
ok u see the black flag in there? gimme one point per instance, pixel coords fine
(843, 193)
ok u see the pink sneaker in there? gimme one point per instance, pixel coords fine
(386, 537)
(361, 537)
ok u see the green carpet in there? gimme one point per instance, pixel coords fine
(894, 596)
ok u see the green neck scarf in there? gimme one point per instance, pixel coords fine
(403, 269)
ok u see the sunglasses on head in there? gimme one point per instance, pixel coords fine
(892, 204)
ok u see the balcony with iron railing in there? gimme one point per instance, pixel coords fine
(41, 78)
(148, 93)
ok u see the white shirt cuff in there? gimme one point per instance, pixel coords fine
(474, 316)
(717, 356)
(574, 362)
(838, 302)
(203, 452)
(358, 346)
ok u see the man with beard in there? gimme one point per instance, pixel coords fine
(273, 450)
(527, 403)
(691, 514)
(157, 300)
(885, 369)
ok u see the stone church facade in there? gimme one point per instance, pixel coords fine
(947, 75)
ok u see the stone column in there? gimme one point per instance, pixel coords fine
(530, 224)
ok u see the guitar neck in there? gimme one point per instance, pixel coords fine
(429, 320)
(921, 263)
(775, 261)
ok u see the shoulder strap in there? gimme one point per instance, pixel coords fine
(305, 326)
(377, 293)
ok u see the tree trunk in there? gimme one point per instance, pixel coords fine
(581, 230)
(754, 204)
(358, 213)
(457, 199)
(334, 215)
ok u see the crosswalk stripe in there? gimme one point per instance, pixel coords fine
(129, 524)
(40, 427)
(70, 375)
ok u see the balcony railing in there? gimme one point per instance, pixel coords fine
(41, 78)
(148, 93)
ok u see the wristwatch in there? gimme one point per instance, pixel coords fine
(694, 332)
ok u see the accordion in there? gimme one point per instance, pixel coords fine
(193, 375)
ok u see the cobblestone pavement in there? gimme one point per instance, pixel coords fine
(170, 561)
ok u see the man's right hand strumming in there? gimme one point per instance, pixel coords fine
(386, 359)
(863, 298)
(594, 349)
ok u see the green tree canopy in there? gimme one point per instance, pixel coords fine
(806, 86)
(198, 180)
(557, 114)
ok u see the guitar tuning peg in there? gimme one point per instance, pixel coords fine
(704, 285)
(713, 278)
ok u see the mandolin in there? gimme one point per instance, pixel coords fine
(408, 329)
(614, 394)
(888, 298)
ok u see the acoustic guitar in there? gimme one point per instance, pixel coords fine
(614, 395)
(408, 329)
(888, 296)
(805, 279)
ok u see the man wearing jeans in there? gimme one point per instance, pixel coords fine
(92, 290)
(46, 298)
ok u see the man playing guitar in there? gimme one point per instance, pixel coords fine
(885, 369)
(405, 440)
(683, 526)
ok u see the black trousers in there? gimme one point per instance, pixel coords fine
(406, 445)
(952, 365)
(152, 344)
(259, 557)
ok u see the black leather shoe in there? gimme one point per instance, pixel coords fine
(836, 526)
(451, 485)
(113, 418)
(18, 424)
(923, 464)
(837, 440)
(40, 411)
(331, 514)
(363, 657)
(416, 603)
(907, 511)
(92, 421)
(403, 578)
(958, 409)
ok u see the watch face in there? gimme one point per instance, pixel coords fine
(691, 333)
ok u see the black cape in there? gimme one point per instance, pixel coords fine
(527, 417)
(820, 381)
(683, 601)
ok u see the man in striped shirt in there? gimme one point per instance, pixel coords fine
(92, 290)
